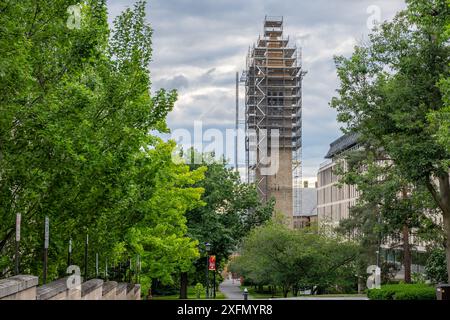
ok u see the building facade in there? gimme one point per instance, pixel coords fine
(334, 203)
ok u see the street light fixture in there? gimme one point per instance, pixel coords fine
(207, 249)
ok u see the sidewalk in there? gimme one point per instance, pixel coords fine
(231, 290)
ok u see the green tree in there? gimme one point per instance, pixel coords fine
(440, 119)
(388, 206)
(275, 255)
(75, 143)
(232, 208)
(388, 89)
(435, 267)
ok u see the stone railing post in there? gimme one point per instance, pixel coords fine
(121, 292)
(109, 290)
(20, 287)
(58, 290)
(92, 290)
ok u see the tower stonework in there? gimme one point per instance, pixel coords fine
(273, 117)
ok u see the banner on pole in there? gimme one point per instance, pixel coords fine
(212, 263)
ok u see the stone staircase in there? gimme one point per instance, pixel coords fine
(25, 287)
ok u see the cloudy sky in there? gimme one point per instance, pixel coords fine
(198, 45)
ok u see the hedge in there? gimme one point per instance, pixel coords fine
(403, 292)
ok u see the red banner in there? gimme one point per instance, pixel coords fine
(212, 263)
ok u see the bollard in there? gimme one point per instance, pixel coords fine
(443, 292)
(245, 294)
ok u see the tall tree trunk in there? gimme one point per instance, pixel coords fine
(295, 290)
(406, 245)
(446, 220)
(444, 188)
(406, 254)
(183, 285)
(285, 291)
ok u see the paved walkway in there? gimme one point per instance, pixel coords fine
(231, 289)
(323, 298)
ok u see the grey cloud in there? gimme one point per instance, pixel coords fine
(177, 82)
(198, 45)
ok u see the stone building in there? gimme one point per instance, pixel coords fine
(333, 203)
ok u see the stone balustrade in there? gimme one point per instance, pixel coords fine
(58, 290)
(109, 290)
(21, 287)
(92, 290)
(121, 291)
(25, 287)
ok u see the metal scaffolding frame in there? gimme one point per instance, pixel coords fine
(273, 100)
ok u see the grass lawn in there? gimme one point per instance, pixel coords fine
(191, 295)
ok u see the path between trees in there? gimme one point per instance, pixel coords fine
(231, 290)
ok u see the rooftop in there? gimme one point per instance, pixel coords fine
(308, 202)
(341, 144)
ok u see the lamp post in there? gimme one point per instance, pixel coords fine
(46, 241)
(245, 294)
(378, 252)
(106, 269)
(69, 255)
(96, 265)
(18, 220)
(86, 256)
(207, 249)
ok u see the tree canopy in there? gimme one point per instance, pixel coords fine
(75, 143)
(389, 90)
(231, 209)
(275, 255)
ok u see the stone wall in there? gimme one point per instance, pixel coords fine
(121, 291)
(21, 287)
(92, 290)
(25, 287)
(58, 290)
(109, 290)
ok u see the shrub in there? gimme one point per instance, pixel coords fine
(385, 293)
(436, 267)
(198, 289)
(403, 292)
(388, 271)
(418, 278)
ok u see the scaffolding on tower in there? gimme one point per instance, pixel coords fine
(273, 100)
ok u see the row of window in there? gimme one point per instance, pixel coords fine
(335, 212)
(333, 193)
